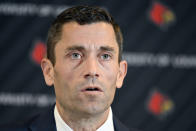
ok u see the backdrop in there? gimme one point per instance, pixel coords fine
(159, 44)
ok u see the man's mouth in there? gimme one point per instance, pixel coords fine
(92, 89)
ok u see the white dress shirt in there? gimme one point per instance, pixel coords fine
(62, 126)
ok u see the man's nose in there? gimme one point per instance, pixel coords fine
(91, 67)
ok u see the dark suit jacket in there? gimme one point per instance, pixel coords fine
(46, 122)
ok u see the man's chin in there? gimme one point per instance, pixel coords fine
(94, 110)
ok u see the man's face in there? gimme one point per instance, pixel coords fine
(87, 72)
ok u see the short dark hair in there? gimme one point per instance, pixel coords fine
(82, 15)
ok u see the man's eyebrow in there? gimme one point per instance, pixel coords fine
(79, 48)
(107, 48)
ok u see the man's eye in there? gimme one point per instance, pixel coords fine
(105, 57)
(76, 56)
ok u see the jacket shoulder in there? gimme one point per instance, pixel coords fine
(44, 121)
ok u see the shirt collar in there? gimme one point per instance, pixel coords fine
(62, 126)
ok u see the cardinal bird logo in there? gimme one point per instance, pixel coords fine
(38, 52)
(161, 15)
(159, 104)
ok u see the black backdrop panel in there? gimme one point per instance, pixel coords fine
(159, 44)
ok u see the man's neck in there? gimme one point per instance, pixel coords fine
(82, 122)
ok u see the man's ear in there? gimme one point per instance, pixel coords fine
(122, 73)
(48, 71)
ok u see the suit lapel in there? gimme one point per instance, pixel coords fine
(118, 126)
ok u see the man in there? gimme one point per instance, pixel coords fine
(85, 66)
